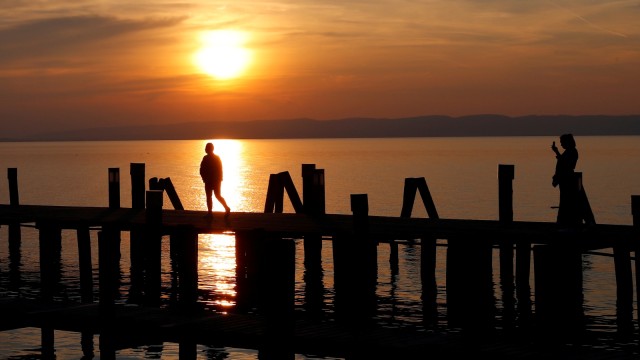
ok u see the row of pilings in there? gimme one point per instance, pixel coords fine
(265, 262)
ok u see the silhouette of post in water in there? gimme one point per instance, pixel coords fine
(427, 246)
(506, 174)
(313, 195)
(136, 235)
(15, 232)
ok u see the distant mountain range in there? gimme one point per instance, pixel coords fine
(422, 126)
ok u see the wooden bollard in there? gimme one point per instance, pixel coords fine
(136, 234)
(505, 216)
(153, 247)
(313, 205)
(14, 198)
(85, 263)
(137, 172)
(114, 188)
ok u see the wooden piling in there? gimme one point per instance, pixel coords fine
(14, 198)
(108, 259)
(114, 188)
(168, 187)
(136, 234)
(275, 195)
(278, 292)
(85, 263)
(505, 204)
(469, 277)
(558, 290)
(247, 272)
(355, 267)
(137, 172)
(313, 205)
(153, 247)
(50, 244)
(635, 213)
(186, 239)
(624, 286)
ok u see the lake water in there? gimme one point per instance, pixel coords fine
(461, 174)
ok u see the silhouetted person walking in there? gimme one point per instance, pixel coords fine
(568, 209)
(211, 173)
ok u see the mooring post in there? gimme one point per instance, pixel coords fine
(84, 258)
(153, 247)
(136, 234)
(313, 205)
(114, 188)
(505, 215)
(137, 172)
(15, 232)
(635, 212)
(363, 250)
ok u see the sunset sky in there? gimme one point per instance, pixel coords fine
(73, 64)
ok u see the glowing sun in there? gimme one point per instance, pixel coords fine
(223, 54)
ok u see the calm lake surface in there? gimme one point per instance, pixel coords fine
(461, 174)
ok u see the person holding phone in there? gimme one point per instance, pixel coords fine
(564, 178)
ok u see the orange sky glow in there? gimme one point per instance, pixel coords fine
(66, 65)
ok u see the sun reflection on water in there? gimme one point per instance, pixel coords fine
(217, 269)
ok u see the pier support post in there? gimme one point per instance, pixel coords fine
(153, 247)
(470, 298)
(136, 234)
(50, 239)
(114, 188)
(355, 268)
(635, 212)
(278, 294)
(184, 246)
(247, 270)
(137, 172)
(15, 232)
(14, 198)
(86, 268)
(505, 213)
(558, 290)
(109, 270)
(624, 286)
(313, 200)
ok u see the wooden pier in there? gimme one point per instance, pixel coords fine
(264, 250)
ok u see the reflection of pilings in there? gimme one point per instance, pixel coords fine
(86, 268)
(153, 248)
(428, 277)
(558, 290)
(470, 300)
(355, 267)
(50, 243)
